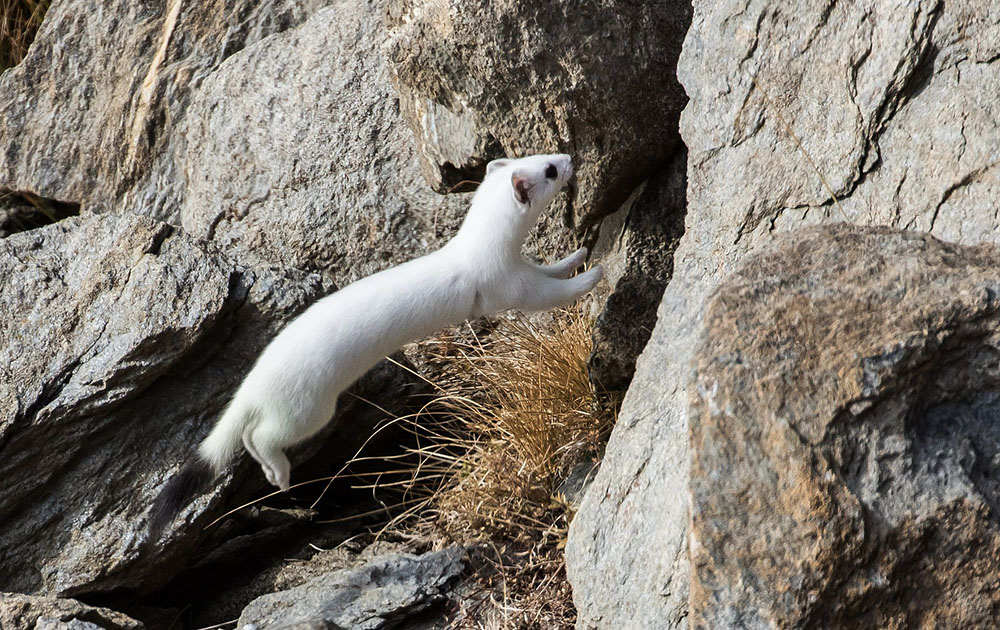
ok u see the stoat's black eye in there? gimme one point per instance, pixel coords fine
(551, 172)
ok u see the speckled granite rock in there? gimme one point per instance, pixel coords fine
(378, 595)
(19, 612)
(844, 442)
(894, 105)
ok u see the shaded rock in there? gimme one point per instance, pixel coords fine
(380, 594)
(296, 154)
(50, 613)
(844, 442)
(594, 79)
(122, 339)
(99, 313)
(636, 248)
(884, 98)
(90, 115)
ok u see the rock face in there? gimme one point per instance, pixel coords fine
(101, 132)
(594, 79)
(103, 317)
(49, 613)
(296, 155)
(889, 102)
(843, 434)
(272, 128)
(636, 248)
(376, 596)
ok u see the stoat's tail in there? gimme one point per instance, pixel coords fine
(213, 456)
(218, 448)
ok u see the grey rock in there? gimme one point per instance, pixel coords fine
(19, 612)
(101, 317)
(844, 436)
(636, 248)
(890, 104)
(296, 154)
(380, 594)
(92, 112)
(271, 127)
(121, 341)
(595, 79)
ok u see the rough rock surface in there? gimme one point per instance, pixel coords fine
(378, 595)
(122, 340)
(636, 248)
(295, 154)
(21, 612)
(893, 103)
(100, 312)
(594, 79)
(270, 127)
(118, 77)
(844, 437)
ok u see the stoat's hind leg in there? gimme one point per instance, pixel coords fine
(264, 465)
(268, 450)
(280, 467)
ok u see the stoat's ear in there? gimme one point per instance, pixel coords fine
(495, 164)
(522, 187)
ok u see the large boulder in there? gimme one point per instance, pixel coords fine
(595, 79)
(892, 105)
(844, 441)
(90, 114)
(106, 322)
(295, 154)
(272, 128)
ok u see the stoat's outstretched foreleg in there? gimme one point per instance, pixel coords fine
(539, 291)
(565, 267)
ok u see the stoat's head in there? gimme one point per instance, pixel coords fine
(509, 200)
(531, 181)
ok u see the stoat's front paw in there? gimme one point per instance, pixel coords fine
(591, 277)
(574, 260)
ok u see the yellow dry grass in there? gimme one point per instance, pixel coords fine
(514, 413)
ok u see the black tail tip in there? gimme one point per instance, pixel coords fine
(192, 478)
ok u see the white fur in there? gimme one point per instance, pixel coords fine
(292, 390)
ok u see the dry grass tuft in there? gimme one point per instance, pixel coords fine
(19, 22)
(514, 415)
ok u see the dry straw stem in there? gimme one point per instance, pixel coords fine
(19, 21)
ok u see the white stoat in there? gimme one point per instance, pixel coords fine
(291, 392)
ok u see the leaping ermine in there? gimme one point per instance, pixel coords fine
(291, 392)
